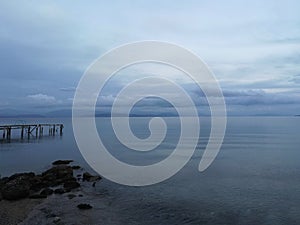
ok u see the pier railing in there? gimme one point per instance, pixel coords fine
(28, 130)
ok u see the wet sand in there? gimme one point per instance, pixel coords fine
(63, 210)
(14, 212)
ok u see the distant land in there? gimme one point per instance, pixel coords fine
(7, 113)
(65, 113)
(11, 113)
(23, 116)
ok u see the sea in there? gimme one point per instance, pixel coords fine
(255, 178)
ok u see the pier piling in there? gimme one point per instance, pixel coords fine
(22, 132)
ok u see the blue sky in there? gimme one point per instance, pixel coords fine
(252, 47)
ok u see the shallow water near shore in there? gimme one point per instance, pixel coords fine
(255, 178)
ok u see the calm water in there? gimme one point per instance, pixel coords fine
(254, 180)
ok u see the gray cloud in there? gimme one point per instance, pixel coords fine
(253, 51)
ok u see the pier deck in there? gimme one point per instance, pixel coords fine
(28, 130)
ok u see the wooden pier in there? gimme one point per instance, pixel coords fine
(27, 130)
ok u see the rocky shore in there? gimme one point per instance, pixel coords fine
(25, 197)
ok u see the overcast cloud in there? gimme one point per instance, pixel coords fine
(253, 49)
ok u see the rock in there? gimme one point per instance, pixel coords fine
(56, 219)
(76, 167)
(37, 196)
(70, 185)
(59, 191)
(24, 185)
(17, 186)
(37, 183)
(47, 191)
(60, 171)
(62, 162)
(58, 175)
(88, 177)
(3, 181)
(84, 206)
(70, 196)
(20, 176)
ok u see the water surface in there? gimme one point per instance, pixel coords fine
(255, 179)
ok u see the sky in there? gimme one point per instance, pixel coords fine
(253, 49)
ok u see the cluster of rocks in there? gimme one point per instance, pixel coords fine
(57, 180)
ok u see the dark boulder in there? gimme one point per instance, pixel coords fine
(70, 185)
(90, 178)
(84, 206)
(20, 176)
(3, 181)
(76, 167)
(17, 186)
(71, 196)
(62, 162)
(58, 175)
(24, 185)
(37, 183)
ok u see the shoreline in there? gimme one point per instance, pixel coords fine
(64, 194)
